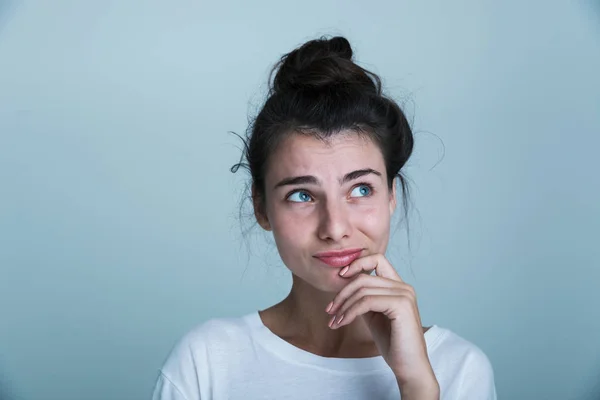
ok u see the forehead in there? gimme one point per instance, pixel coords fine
(303, 154)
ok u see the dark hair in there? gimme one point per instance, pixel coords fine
(318, 90)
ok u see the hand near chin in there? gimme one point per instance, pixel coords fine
(388, 305)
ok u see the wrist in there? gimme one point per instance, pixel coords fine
(427, 389)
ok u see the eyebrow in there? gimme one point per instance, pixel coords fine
(311, 180)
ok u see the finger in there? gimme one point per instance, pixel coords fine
(386, 304)
(363, 292)
(369, 263)
(357, 283)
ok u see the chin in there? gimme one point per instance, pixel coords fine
(330, 283)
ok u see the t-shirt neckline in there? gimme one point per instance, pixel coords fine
(287, 351)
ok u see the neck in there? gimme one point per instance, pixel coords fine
(301, 320)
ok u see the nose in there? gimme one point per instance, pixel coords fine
(334, 222)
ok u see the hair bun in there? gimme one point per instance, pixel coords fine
(320, 63)
(340, 46)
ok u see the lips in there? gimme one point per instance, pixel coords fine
(339, 258)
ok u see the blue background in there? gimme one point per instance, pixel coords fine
(119, 225)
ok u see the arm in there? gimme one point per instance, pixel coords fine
(477, 378)
(166, 390)
(179, 378)
(389, 308)
(429, 390)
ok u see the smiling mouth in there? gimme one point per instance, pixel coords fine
(338, 259)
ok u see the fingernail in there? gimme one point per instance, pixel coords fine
(342, 272)
(331, 321)
(340, 320)
(329, 307)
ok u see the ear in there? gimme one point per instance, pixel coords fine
(393, 199)
(259, 211)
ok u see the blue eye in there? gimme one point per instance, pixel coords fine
(361, 191)
(299, 197)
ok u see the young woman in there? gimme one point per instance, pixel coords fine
(325, 154)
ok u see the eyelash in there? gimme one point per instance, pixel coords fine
(372, 190)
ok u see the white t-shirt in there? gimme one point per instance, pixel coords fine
(241, 359)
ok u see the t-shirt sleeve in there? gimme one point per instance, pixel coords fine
(166, 390)
(477, 381)
(183, 375)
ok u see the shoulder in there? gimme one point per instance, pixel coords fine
(463, 366)
(215, 330)
(444, 341)
(211, 336)
(209, 346)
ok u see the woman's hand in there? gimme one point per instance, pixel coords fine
(389, 308)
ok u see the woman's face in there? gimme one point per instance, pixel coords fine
(324, 196)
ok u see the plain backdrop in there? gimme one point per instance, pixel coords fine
(120, 224)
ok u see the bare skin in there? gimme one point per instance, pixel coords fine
(296, 327)
(329, 196)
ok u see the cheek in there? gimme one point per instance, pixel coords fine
(290, 229)
(374, 221)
